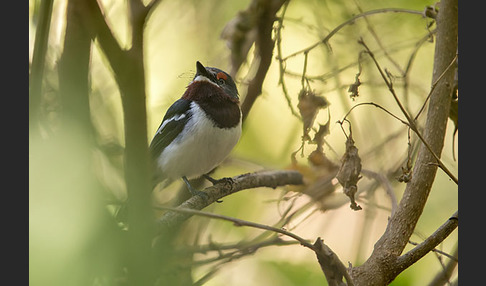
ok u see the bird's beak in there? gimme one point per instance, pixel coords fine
(201, 70)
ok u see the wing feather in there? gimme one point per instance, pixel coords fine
(172, 125)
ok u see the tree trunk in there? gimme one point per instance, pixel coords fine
(382, 267)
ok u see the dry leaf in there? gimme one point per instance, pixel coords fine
(349, 173)
(309, 105)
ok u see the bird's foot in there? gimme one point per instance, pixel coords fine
(225, 180)
(195, 192)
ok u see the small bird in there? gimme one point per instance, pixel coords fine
(199, 130)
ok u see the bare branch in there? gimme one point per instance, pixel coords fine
(271, 179)
(240, 222)
(332, 267)
(281, 81)
(264, 45)
(384, 263)
(386, 185)
(429, 244)
(377, 106)
(454, 61)
(351, 21)
(411, 121)
(108, 43)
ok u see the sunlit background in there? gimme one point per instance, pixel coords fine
(64, 220)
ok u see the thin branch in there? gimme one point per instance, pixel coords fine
(386, 185)
(351, 21)
(411, 121)
(444, 276)
(332, 267)
(434, 85)
(430, 243)
(282, 71)
(378, 40)
(240, 222)
(377, 106)
(389, 84)
(241, 246)
(452, 257)
(410, 62)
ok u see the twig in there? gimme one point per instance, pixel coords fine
(241, 246)
(333, 268)
(411, 60)
(377, 106)
(240, 222)
(444, 276)
(378, 40)
(351, 21)
(434, 85)
(282, 71)
(411, 121)
(386, 185)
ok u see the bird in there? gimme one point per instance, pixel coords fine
(199, 130)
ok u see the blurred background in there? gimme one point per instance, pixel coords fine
(73, 181)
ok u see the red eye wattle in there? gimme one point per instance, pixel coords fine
(222, 75)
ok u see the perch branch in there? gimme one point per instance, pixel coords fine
(271, 179)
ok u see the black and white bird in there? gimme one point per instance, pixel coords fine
(199, 130)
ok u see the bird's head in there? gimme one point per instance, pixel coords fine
(218, 78)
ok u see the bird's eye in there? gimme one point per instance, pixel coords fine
(221, 76)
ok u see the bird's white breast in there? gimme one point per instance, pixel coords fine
(199, 148)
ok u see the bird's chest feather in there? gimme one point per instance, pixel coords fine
(200, 147)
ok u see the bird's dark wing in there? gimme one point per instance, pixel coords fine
(172, 125)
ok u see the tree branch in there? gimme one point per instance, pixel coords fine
(129, 73)
(349, 22)
(382, 266)
(411, 121)
(108, 43)
(38, 61)
(240, 222)
(332, 267)
(264, 45)
(271, 179)
(429, 244)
